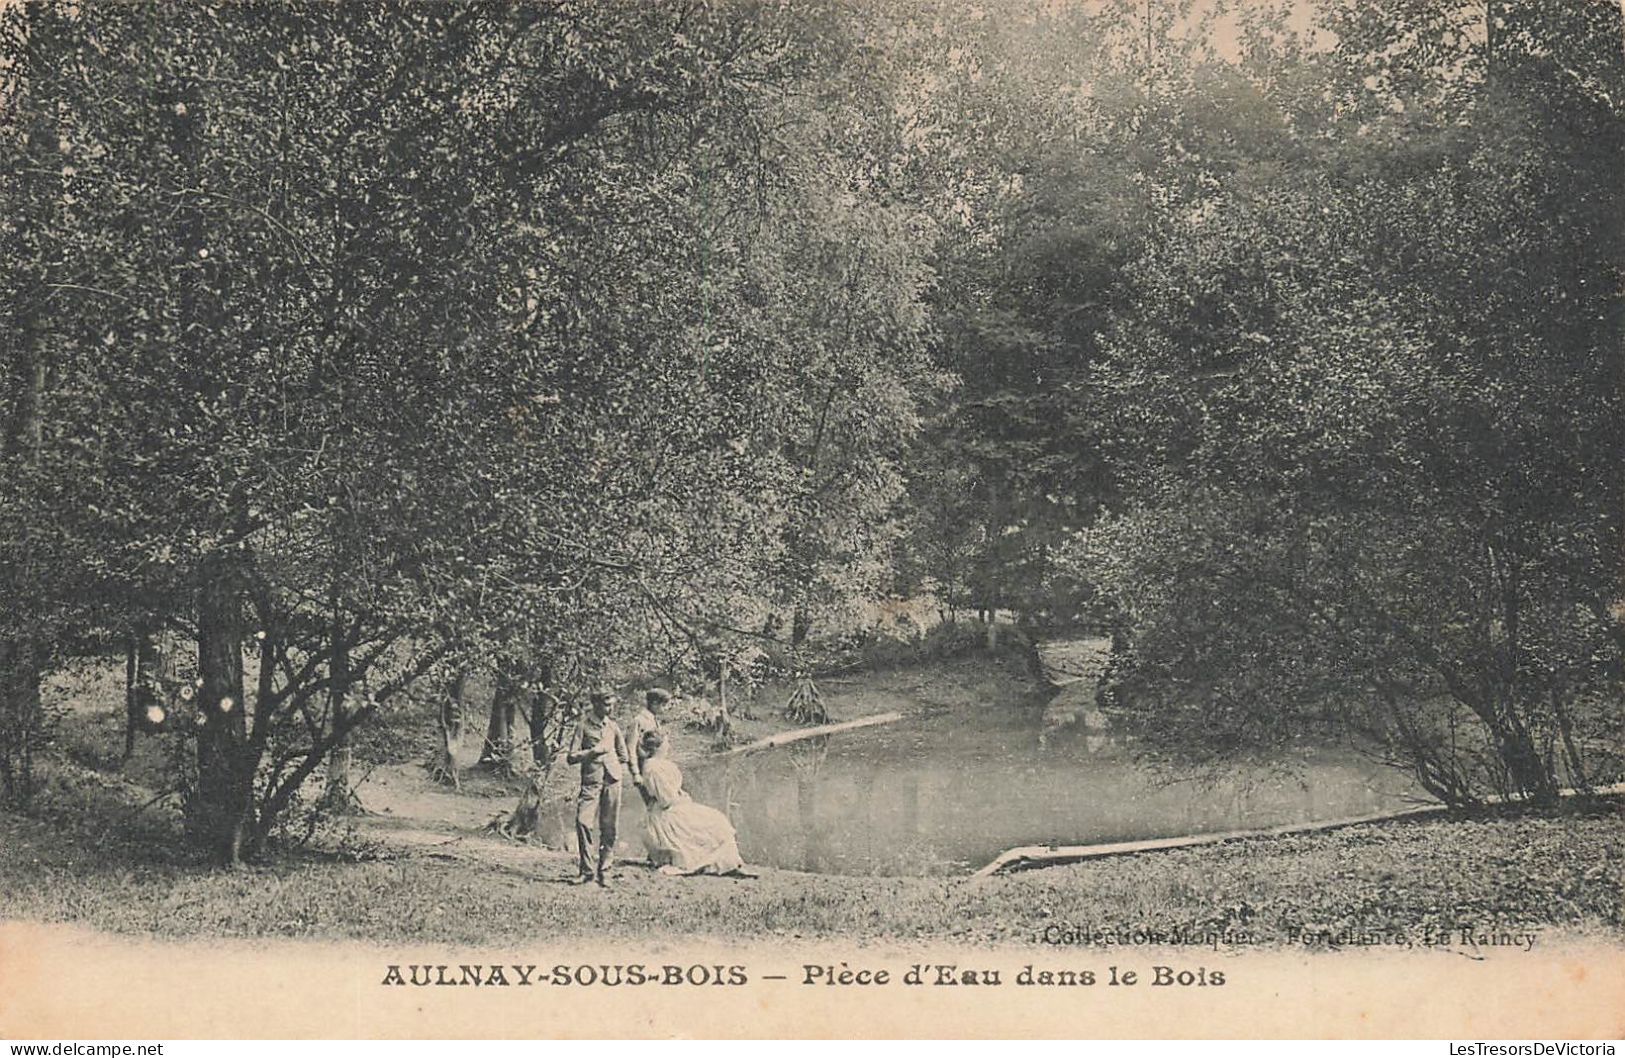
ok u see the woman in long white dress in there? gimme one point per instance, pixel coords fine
(684, 836)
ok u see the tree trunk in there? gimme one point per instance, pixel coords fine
(1571, 751)
(498, 749)
(541, 705)
(218, 813)
(143, 687)
(131, 709)
(725, 722)
(1530, 774)
(800, 625)
(452, 710)
(339, 793)
(22, 718)
(222, 806)
(525, 821)
(338, 796)
(22, 654)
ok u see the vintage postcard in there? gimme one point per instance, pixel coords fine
(813, 519)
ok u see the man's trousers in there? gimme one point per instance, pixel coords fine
(598, 810)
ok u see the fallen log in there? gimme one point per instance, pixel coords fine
(1031, 857)
(786, 737)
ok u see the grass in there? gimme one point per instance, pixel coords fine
(1496, 874)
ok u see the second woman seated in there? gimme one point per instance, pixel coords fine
(684, 836)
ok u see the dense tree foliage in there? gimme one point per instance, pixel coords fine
(395, 341)
(369, 348)
(1359, 401)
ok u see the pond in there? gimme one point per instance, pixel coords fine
(946, 793)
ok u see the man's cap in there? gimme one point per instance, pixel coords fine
(604, 695)
(657, 696)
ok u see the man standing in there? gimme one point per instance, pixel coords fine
(647, 720)
(600, 748)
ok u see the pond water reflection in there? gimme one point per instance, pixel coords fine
(945, 794)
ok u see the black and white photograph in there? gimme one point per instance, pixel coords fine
(812, 519)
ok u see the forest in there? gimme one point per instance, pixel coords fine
(358, 354)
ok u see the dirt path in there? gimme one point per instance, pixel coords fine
(406, 811)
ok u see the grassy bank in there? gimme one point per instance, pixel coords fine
(1496, 875)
